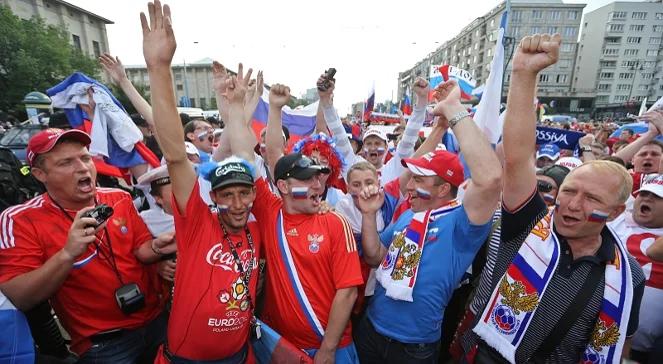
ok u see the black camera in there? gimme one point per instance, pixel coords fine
(100, 213)
(329, 76)
(130, 298)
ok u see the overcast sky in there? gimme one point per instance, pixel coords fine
(294, 41)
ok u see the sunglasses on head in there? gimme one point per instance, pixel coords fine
(543, 186)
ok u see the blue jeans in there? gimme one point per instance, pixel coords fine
(374, 348)
(133, 346)
(345, 355)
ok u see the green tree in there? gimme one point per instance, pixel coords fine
(35, 56)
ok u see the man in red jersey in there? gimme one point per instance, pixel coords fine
(215, 280)
(312, 263)
(99, 278)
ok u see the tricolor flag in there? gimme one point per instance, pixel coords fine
(487, 115)
(300, 122)
(120, 147)
(369, 104)
(466, 82)
(406, 105)
(434, 76)
(272, 348)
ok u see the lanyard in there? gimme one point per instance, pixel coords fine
(108, 258)
(246, 276)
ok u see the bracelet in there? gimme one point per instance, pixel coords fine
(155, 249)
(586, 149)
(458, 117)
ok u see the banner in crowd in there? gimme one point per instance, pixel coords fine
(466, 82)
(300, 122)
(369, 105)
(564, 139)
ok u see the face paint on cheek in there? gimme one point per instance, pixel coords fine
(381, 151)
(423, 194)
(299, 193)
(598, 216)
(549, 198)
(556, 205)
(223, 209)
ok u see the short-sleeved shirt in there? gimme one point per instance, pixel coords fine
(211, 313)
(331, 265)
(451, 243)
(560, 292)
(85, 303)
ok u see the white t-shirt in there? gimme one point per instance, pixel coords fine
(158, 221)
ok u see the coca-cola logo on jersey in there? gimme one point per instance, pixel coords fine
(218, 258)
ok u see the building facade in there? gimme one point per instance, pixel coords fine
(620, 57)
(87, 30)
(190, 80)
(472, 49)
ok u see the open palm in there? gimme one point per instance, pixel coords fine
(158, 38)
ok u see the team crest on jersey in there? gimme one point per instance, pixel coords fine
(407, 258)
(314, 242)
(122, 223)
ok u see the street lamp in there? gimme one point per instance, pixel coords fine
(187, 102)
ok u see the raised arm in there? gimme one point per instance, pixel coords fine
(483, 191)
(278, 97)
(320, 123)
(405, 148)
(533, 55)
(235, 128)
(427, 146)
(219, 78)
(655, 119)
(158, 49)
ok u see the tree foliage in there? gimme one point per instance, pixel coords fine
(35, 56)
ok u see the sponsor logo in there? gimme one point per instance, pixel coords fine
(231, 167)
(293, 232)
(218, 258)
(505, 320)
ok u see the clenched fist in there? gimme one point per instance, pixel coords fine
(536, 52)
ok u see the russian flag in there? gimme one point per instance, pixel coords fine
(370, 104)
(406, 105)
(300, 121)
(434, 77)
(61, 95)
(465, 80)
(272, 348)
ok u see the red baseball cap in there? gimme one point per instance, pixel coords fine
(441, 163)
(45, 140)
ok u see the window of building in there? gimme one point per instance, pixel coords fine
(544, 78)
(562, 78)
(659, 16)
(652, 52)
(646, 76)
(616, 15)
(623, 87)
(572, 15)
(178, 76)
(180, 87)
(77, 41)
(655, 40)
(630, 52)
(658, 28)
(606, 75)
(567, 47)
(564, 63)
(537, 14)
(625, 76)
(569, 31)
(604, 87)
(608, 64)
(626, 64)
(615, 28)
(602, 99)
(192, 102)
(636, 27)
(639, 15)
(610, 51)
(551, 30)
(203, 103)
(555, 15)
(619, 98)
(633, 40)
(490, 52)
(515, 31)
(613, 40)
(516, 15)
(643, 87)
(536, 30)
(648, 64)
(96, 48)
(492, 22)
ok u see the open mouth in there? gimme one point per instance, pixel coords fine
(373, 155)
(316, 199)
(647, 165)
(85, 184)
(570, 220)
(645, 209)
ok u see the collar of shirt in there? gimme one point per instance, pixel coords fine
(605, 253)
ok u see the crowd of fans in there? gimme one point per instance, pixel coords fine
(350, 246)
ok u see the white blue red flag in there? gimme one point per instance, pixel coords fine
(466, 82)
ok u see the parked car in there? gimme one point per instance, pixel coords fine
(17, 138)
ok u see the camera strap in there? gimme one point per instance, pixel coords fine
(110, 257)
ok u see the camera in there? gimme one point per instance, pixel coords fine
(329, 76)
(101, 213)
(129, 298)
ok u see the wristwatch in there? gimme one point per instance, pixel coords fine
(586, 149)
(458, 117)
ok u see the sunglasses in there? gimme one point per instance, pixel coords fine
(543, 186)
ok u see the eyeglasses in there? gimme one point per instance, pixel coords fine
(543, 186)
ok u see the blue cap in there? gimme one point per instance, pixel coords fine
(550, 151)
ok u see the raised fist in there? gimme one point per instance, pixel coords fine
(279, 95)
(536, 52)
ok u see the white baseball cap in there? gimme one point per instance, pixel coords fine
(376, 132)
(654, 184)
(569, 162)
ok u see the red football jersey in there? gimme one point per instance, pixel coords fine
(33, 232)
(325, 256)
(211, 314)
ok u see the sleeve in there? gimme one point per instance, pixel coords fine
(523, 218)
(194, 204)
(467, 236)
(392, 197)
(141, 233)
(266, 203)
(405, 148)
(345, 259)
(20, 248)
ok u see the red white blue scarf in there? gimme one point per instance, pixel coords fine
(515, 300)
